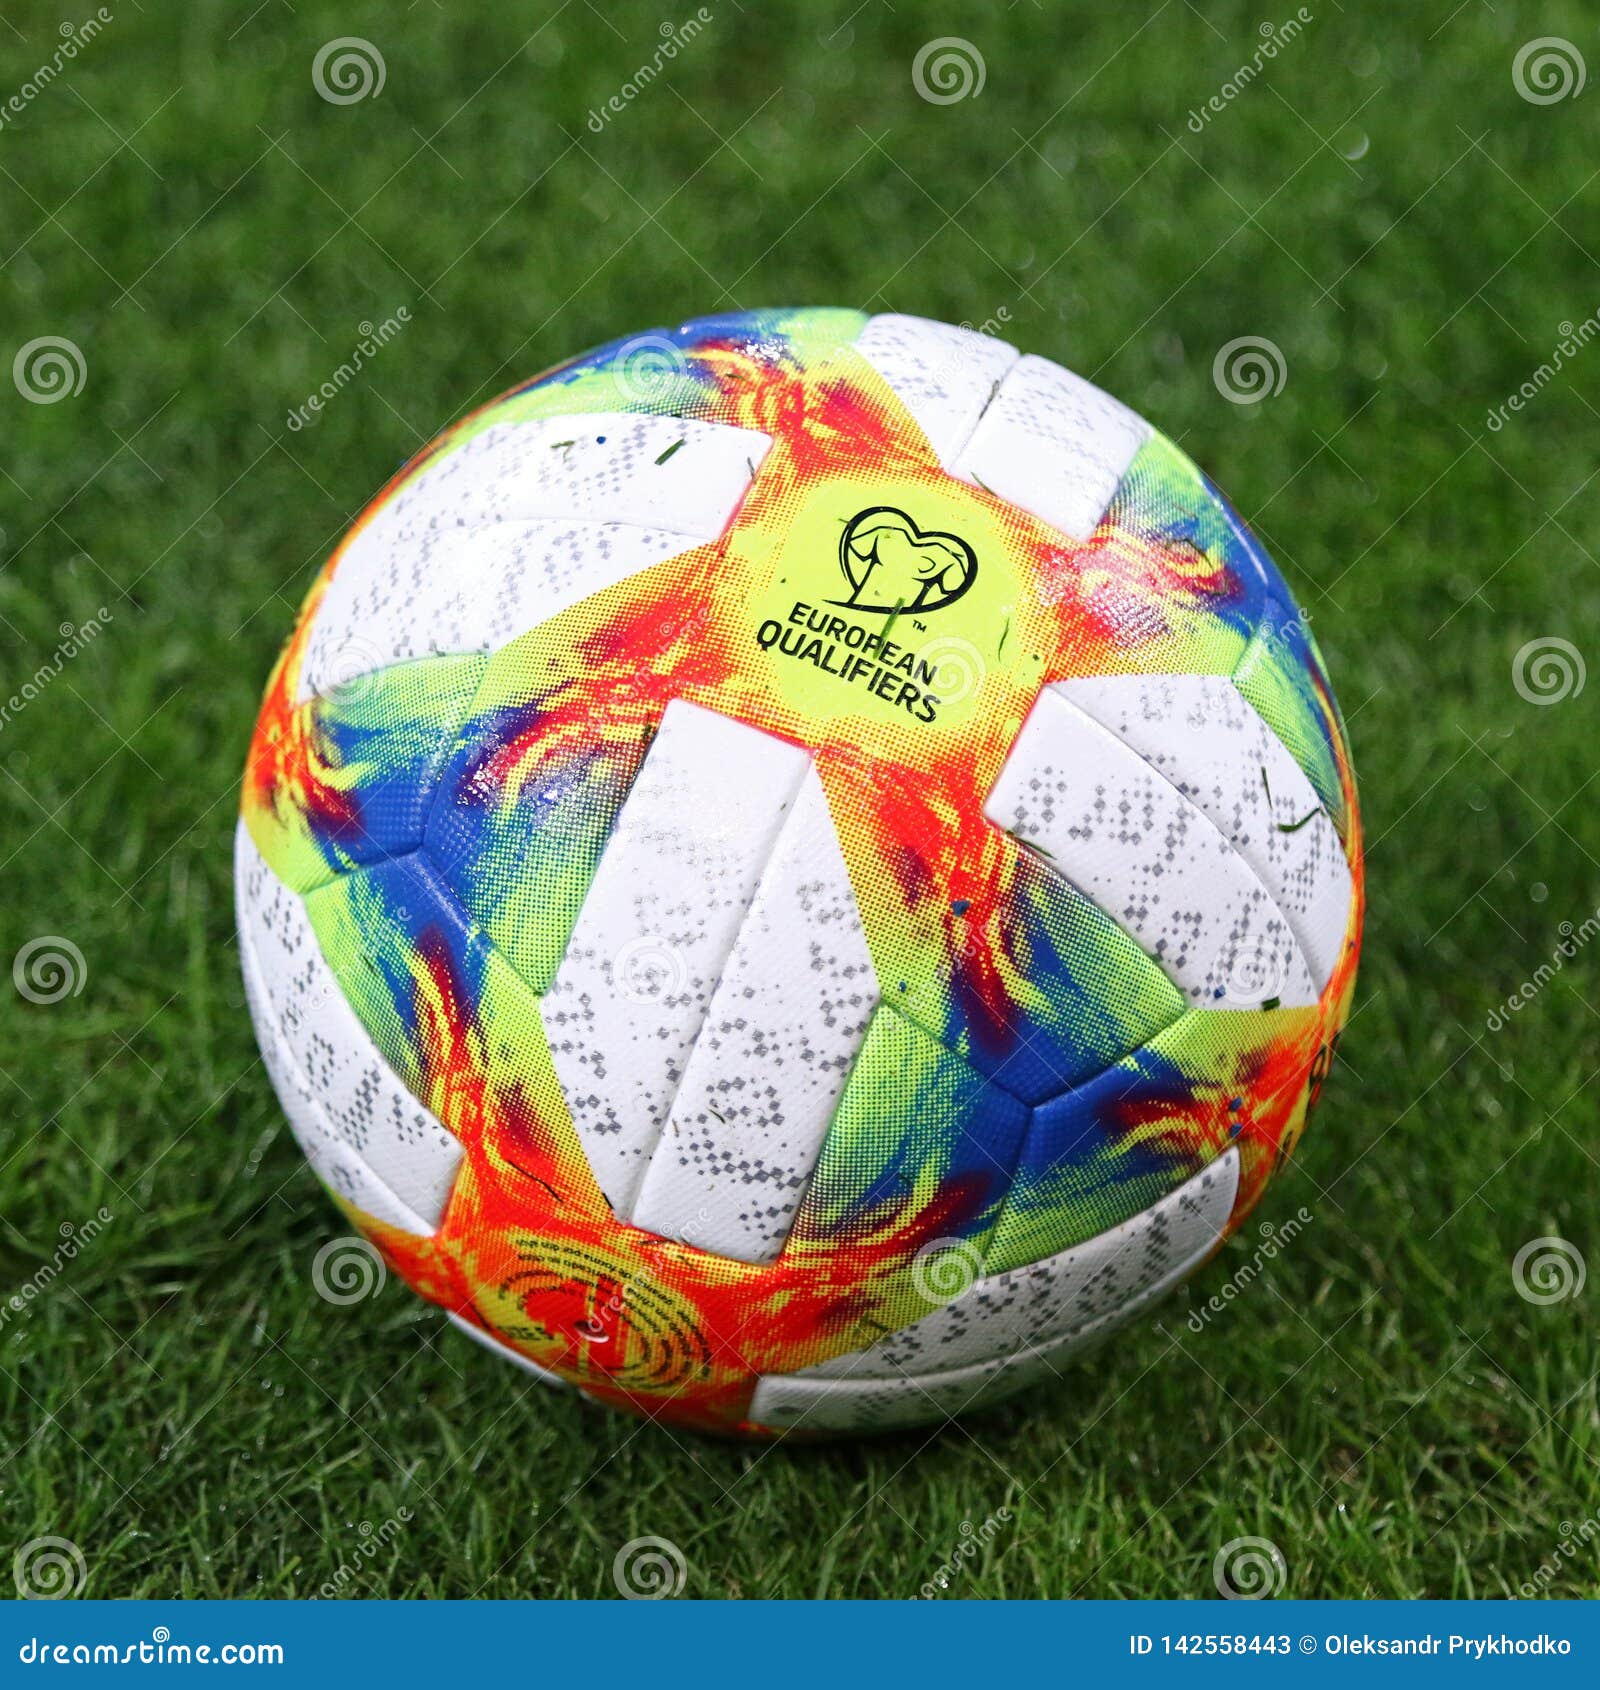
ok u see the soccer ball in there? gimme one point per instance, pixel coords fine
(798, 870)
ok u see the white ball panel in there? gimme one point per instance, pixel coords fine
(943, 375)
(1052, 444)
(1013, 1329)
(404, 569)
(656, 928)
(460, 590)
(1061, 1297)
(364, 1134)
(1151, 859)
(1207, 739)
(771, 1059)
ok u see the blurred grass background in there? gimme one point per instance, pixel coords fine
(1381, 203)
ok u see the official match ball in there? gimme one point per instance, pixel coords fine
(797, 871)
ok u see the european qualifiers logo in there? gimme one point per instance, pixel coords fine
(892, 568)
(892, 565)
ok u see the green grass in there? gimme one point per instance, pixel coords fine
(1381, 204)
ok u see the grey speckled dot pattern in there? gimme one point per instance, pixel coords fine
(510, 528)
(1150, 857)
(1053, 444)
(661, 918)
(943, 375)
(772, 1056)
(361, 1130)
(1011, 1329)
(1205, 737)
